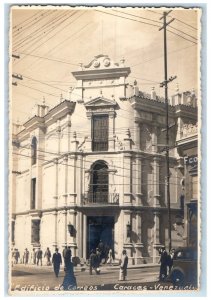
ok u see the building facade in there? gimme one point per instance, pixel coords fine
(188, 149)
(93, 167)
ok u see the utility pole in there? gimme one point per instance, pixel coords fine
(165, 85)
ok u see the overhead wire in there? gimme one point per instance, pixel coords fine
(55, 27)
(22, 22)
(41, 31)
(27, 28)
(48, 58)
(65, 40)
(155, 21)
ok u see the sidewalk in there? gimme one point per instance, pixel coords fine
(86, 267)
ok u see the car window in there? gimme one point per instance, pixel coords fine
(185, 254)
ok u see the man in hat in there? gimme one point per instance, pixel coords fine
(56, 261)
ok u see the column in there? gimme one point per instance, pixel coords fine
(156, 236)
(39, 177)
(65, 195)
(138, 244)
(154, 139)
(79, 171)
(63, 228)
(111, 139)
(56, 181)
(55, 241)
(127, 221)
(156, 180)
(84, 235)
(71, 240)
(89, 139)
(138, 180)
(137, 135)
(127, 178)
(79, 230)
(69, 124)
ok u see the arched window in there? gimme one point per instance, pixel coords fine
(34, 150)
(98, 190)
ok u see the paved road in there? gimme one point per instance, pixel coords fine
(33, 278)
(25, 277)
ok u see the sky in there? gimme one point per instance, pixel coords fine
(52, 41)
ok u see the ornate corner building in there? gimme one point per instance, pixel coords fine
(93, 167)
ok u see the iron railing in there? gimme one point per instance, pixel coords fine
(100, 198)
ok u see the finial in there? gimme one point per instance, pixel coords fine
(135, 83)
(70, 92)
(177, 87)
(43, 101)
(61, 98)
(193, 91)
(128, 132)
(101, 92)
(122, 60)
(81, 66)
(74, 135)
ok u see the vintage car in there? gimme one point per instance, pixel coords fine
(184, 269)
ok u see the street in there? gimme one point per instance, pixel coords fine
(37, 278)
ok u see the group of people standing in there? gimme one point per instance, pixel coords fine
(102, 254)
(95, 260)
(166, 263)
(36, 257)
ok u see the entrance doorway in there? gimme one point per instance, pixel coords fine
(100, 234)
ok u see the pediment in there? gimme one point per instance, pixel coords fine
(100, 62)
(100, 102)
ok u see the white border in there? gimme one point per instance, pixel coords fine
(4, 120)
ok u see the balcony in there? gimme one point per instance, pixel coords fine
(99, 198)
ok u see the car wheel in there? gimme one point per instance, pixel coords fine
(178, 277)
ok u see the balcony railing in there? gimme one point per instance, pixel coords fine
(100, 198)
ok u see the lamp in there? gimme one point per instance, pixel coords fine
(128, 227)
(71, 229)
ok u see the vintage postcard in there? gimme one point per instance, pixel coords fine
(105, 119)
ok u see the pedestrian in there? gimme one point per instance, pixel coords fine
(33, 256)
(17, 255)
(56, 261)
(123, 266)
(39, 257)
(67, 258)
(110, 257)
(97, 261)
(101, 248)
(163, 264)
(92, 261)
(26, 256)
(13, 257)
(63, 255)
(48, 256)
(69, 282)
(170, 260)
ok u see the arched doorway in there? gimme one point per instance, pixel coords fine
(98, 188)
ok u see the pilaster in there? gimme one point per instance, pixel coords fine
(156, 180)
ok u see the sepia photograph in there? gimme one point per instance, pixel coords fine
(105, 124)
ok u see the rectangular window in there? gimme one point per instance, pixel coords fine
(100, 133)
(35, 232)
(33, 193)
